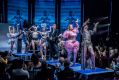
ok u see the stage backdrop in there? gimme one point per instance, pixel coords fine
(70, 11)
(17, 11)
(3, 36)
(44, 12)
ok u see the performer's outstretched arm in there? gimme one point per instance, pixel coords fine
(77, 25)
(31, 28)
(94, 29)
(95, 26)
(87, 21)
(50, 29)
(9, 29)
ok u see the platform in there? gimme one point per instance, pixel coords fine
(88, 74)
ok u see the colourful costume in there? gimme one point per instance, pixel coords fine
(71, 44)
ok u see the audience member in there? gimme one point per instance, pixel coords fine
(67, 73)
(43, 73)
(3, 57)
(3, 74)
(19, 71)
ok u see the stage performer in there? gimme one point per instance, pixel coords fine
(43, 41)
(53, 40)
(71, 44)
(12, 37)
(26, 40)
(87, 44)
(35, 37)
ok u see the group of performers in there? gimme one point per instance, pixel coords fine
(58, 42)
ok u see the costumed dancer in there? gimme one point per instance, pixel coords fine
(35, 37)
(43, 41)
(11, 36)
(87, 44)
(71, 44)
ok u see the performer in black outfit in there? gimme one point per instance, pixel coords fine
(53, 38)
(19, 40)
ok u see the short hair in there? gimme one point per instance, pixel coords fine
(44, 64)
(20, 29)
(66, 63)
(4, 54)
(19, 63)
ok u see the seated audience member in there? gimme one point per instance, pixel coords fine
(3, 57)
(97, 58)
(67, 73)
(12, 66)
(61, 60)
(36, 61)
(60, 66)
(34, 66)
(115, 67)
(104, 59)
(19, 71)
(43, 74)
(3, 74)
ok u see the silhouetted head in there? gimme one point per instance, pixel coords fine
(66, 63)
(45, 13)
(70, 13)
(18, 63)
(18, 12)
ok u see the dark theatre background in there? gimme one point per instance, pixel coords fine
(26, 13)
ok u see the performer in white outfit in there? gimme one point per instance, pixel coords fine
(43, 41)
(35, 35)
(12, 37)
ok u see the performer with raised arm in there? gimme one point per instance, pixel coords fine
(87, 44)
(11, 36)
(35, 35)
(43, 41)
(71, 44)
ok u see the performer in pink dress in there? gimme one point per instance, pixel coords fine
(71, 44)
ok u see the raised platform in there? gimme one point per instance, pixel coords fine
(88, 74)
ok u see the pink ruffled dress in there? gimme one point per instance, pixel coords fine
(70, 36)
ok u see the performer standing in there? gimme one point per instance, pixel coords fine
(35, 35)
(71, 45)
(19, 40)
(87, 44)
(26, 40)
(53, 38)
(11, 36)
(43, 41)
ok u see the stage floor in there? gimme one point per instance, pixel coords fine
(87, 72)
